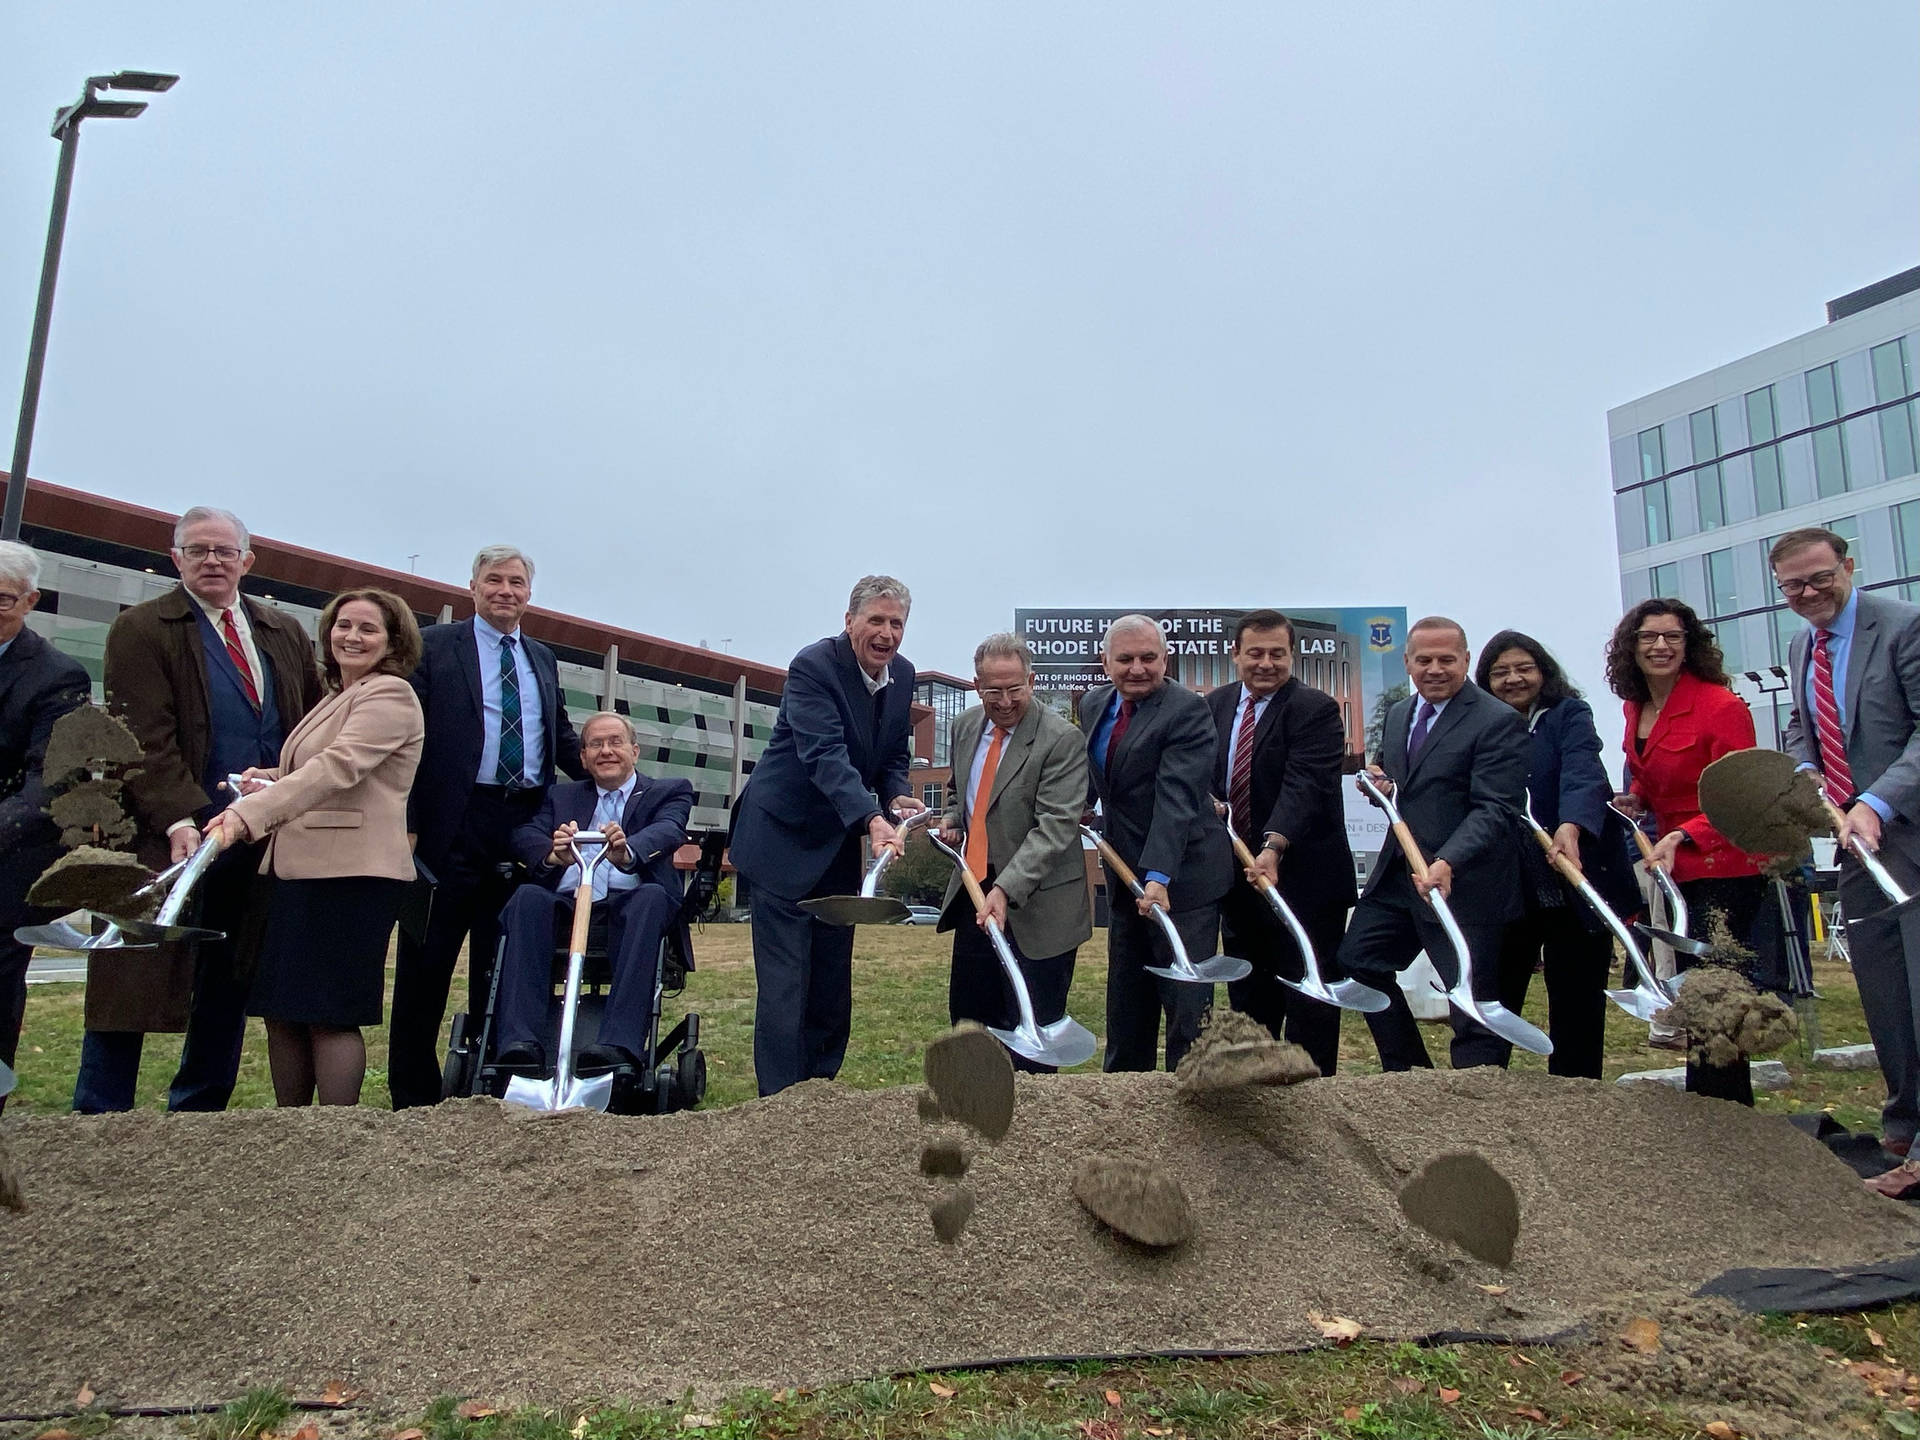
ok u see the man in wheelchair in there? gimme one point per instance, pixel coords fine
(636, 896)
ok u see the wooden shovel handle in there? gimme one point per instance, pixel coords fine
(582, 917)
(1116, 864)
(1568, 870)
(1410, 848)
(1640, 839)
(1246, 857)
(974, 892)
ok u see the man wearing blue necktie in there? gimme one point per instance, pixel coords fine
(637, 890)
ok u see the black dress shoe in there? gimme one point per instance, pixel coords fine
(526, 1058)
(602, 1059)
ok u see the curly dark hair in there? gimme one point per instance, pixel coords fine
(403, 634)
(1554, 685)
(1702, 658)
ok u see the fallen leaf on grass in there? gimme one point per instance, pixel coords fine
(1059, 1382)
(1641, 1334)
(84, 1397)
(1102, 1430)
(1407, 1385)
(1337, 1328)
(1352, 1412)
(1721, 1430)
(1529, 1412)
(1876, 1339)
(57, 1435)
(691, 1421)
(579, 1429)
(413, 1434)
(1449, 1397)
(308, 1431)
(1572, 1377)
(1158, 1430)
(1113, 1398)
(945, 1392)
(1493, 1289)
(1516, 1359)
(474, 1410)
(334, 1394)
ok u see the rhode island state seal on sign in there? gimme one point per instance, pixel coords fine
(1380, 634)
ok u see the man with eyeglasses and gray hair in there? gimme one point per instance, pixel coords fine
(210, 682)
(834, 775)
(1019, 785)
(497, 734)
(1856, 699)
(38, 685)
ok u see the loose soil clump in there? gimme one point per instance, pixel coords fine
(951, 1212)
(1764, 804)
(971, 1080)
(90, 813)
(465, 1249)
(1726, 1019)
(85, 740)
(1462, 1198)
(90, 878)
(1233, 1050)
(943, 1158)
(1140, 1200)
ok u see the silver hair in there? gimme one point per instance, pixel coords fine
(633, 735)
(210, 512)
(1004, 646)
(20, 564)
(499, 555)
(1126, 623)
(878, 587)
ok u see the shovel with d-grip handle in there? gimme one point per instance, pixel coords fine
(565, 1091)
(1490, 1013)
(1347, 994)
(1063, 1043)
(1647, 998)
(1213, 970)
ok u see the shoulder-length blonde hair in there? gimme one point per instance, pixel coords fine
(403, 634)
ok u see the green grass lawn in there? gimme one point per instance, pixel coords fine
(1367, 1391)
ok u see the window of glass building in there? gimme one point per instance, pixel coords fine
(1706, 435)
(1666, 581)
(1710, 496)
(1653, 455)
(1847, 527)
(1893, 380)
(1823, 395)
(1769, 493)
(1723, 590)
(1761, 425)
(1784, 625)
(1732, 653)
(1906, 544)
(1829, 461)
(1653, 499)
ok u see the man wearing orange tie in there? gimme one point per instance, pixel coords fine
(1019, 785)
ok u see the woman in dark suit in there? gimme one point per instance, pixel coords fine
(334, 813)
(1567, 791)
(1681, 716)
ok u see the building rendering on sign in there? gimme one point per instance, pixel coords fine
(1817, 430)
(1352, 654)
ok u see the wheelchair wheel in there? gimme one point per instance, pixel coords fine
(690, 1079)
(456, 1078)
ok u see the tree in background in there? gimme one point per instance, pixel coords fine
(1377, 726)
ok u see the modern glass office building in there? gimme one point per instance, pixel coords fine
(1822, 429)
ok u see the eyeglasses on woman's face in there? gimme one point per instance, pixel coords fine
(1660, 639)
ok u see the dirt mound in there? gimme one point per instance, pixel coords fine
(1726, 1019)
(477, 1249)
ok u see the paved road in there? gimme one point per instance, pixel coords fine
(50, 969)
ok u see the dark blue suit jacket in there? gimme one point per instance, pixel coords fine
(447, 680)
(38, 684)
(826, 771)
(655, 823)
(1568, 782)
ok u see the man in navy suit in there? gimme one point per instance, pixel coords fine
(636, 887)
(497, 730)
(833, 771)
(37, 686)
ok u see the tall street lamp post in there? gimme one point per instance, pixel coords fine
(66, 129)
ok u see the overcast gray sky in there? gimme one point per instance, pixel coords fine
(715, 307)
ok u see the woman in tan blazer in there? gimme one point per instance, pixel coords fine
(334, 815)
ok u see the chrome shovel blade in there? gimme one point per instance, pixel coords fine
(1685, 944)
(548, 1095)
(63, 934)
(143, 933)
(1501, 1021)
(1214, 970)
(1642, 1004)
(856, 909)
(1352, 995)
(1063, 1044)
(7, 1080)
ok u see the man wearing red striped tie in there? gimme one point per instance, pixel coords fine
(1019, 785)
(210, 683)
(1856, 696)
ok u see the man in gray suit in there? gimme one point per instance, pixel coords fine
(1455, 760)
(1151, 746)
(1856, 698)
(1019, 785)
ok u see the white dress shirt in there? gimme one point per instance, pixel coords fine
(608, 807)
(214, 612)
(1239, 719)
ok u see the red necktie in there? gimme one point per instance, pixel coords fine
(1119, 729)
(237, 653)
(1826, 719)
(1240, 783)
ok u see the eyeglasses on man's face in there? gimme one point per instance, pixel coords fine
(1654, 639)
(9, 600)
(1819, 580)
(225, 554)
(995, 694)
(615, 742)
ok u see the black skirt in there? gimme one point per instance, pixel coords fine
(323, 953)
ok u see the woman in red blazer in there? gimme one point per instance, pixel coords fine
(1681, 716)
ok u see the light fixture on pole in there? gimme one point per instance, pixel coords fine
(66, 129)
